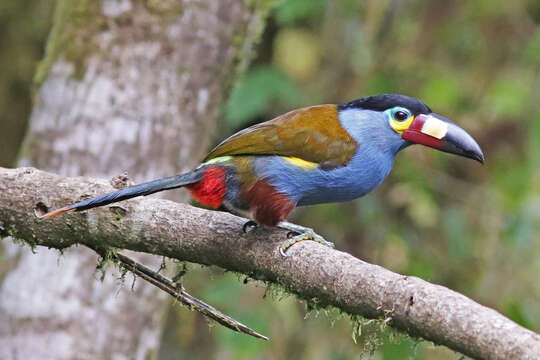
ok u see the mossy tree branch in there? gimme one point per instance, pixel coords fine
(311, 271)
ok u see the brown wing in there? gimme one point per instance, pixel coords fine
(313, 134)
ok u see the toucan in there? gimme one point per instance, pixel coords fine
(313, 155)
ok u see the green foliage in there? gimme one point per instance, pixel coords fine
(514, 311)
(443, 89)
(257, 91)
(292, 11)
(506, 95)
(532, 51)
(403, 349)
(458, 234)
(424, 268)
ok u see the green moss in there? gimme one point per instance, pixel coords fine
(109, 256)
(75, 21)
(275, 291)
(369, 334)
(250, 34)
(168, 9)
(119, 212)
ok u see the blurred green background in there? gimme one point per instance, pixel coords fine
(445, 219)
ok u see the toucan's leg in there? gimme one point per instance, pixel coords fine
(304, 233)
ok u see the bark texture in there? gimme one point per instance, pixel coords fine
(130, 86)
(313, 272)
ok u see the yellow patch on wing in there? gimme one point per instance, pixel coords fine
(218, 160)
(301, 163)
(435, 127)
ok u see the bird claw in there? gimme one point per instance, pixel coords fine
(292, 234)
(303, 234)
(249, 226)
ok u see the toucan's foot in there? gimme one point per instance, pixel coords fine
(302, 233)
(249, 226)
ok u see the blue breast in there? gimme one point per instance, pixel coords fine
(309, 187)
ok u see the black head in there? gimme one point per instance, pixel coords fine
(387, 101)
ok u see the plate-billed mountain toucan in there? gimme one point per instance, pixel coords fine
(314, 155)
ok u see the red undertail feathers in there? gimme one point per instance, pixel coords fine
(211, 189)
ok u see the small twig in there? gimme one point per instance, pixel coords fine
(178, 292)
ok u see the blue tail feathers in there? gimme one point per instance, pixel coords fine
(143, 189)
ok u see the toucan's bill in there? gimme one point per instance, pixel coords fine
(440, 133)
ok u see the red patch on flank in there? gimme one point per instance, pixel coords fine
(267, 205)
(211, 189)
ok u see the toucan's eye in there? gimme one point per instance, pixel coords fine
(401, 115)
(399, 118)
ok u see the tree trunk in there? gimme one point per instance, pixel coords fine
(130, 86)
